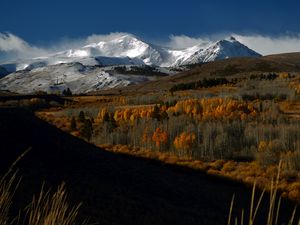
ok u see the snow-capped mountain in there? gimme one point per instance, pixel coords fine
(223, 49)
(129, 50)
(84, 69)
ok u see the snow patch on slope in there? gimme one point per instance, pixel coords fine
(56, 78)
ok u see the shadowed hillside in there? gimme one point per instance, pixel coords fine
(288, 58)
(114, 189)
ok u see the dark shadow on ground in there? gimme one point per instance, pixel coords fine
(114, 189)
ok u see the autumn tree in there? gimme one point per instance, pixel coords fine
(160, 138)
(185, 141)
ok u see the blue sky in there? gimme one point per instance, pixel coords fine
(32, 28)
(44, 21)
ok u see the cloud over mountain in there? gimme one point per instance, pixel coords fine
(183, 41)
(13, 47)
(263, 44)
(267, 45)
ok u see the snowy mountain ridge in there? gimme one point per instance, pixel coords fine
(94, 66)
(129, 50)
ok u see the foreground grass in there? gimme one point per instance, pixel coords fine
(8, 186)
(273, 210)
(46, 208)
(52, 208)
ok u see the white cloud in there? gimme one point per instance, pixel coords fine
(68, 43)
(266, 45)
(95, 38)
(10, 42)
(12, 46)
(183, 41)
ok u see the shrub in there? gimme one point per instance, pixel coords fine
(291, 160)
(267, 158)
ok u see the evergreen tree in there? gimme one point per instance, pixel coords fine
(73, 125)
(156, 113)
(164, 115)
(81, 116)
(87, 130)
(106, 117)
(67, 92)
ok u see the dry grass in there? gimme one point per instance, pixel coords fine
(52, 209)
(46, 208)
(273, 210)
(8, 186)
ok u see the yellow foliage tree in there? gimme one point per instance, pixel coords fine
(185, 141)
(214, 108)
(160, 137)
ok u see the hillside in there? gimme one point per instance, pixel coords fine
(230, 68)
(292, 59)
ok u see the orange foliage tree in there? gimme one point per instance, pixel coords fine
(160, 138)
(214, 108)
(185, 141)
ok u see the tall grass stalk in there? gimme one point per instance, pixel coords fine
(274, 205)
(52, 209)
(7, 190)
(8, 186)
(46, 208)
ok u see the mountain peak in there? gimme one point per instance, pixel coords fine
(127, 36)
(231, 38)
(223, 49)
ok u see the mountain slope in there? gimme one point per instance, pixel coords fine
(229, 68)
(79, 69)
(56, 78)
